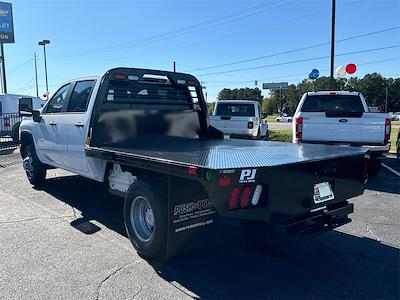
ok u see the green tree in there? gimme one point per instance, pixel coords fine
(210, 107)
(240, 94)
(372, 86)
(269, 105)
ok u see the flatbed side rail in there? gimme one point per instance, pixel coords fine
(137, 161)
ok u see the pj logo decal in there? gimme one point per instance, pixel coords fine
(248, 175)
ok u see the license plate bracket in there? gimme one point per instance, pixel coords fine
(323, 192)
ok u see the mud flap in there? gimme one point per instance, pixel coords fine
(192, 216)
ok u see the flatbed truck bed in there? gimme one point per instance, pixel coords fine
(146, 135)
(220, 154)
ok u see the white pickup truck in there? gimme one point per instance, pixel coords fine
(239, 119)
(342, 118)
(145, 134)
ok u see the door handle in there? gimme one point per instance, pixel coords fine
(53, 123)
(79, 124)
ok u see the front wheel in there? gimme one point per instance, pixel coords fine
(34, 169)
(145, 217)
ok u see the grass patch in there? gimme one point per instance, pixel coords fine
(271, 119)
(393, 139)
(280, 135)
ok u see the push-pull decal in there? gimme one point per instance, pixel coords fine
(248, 175)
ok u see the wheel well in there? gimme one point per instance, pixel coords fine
(26, 139)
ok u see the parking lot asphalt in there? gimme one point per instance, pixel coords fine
(67, 241)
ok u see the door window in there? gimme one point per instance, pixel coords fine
(80, 96)
(56, 103)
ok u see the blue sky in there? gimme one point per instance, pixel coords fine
(88, 37)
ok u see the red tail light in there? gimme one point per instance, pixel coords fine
(388, 128)
(250, 124)
(6, 122)
(234, 197)
(245, 196)
(119, 76)
(224, 181)
(299, 128)
(192, 170)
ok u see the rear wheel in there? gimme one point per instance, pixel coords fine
(145, 217)
(374, 166)
(34, 169)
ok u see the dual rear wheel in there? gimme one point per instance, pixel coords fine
(145, 218)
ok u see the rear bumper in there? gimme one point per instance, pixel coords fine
(379, 149)
(323, 219)
(376, 149)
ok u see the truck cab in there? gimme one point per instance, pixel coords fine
(239, 119)
(60, 135)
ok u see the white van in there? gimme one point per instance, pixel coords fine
(9, 118)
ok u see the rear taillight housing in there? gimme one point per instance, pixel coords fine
(299, 128)
(244, 201)
(388, 128)
(234, 198)
(6, 122)
(250, 125)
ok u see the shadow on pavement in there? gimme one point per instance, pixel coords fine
(386, 181)
(251, 265)
(89, 197)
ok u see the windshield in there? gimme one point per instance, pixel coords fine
(237, 109)
(332, 103)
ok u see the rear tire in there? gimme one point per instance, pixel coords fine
(374, 166)
(145, 218)
(34, 169)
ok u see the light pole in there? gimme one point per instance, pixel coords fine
(332, 80)
(44, 43)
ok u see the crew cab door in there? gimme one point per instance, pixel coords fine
(45, 134)
(73, 128)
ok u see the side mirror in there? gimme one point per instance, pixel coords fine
(25, 107)
(36, 116)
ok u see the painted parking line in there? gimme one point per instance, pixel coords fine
(391, 170)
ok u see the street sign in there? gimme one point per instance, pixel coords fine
(275, 85)
(6, 23)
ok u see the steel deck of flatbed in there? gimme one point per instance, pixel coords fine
(222, 154)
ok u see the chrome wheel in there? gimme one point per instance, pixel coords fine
(27, 163)
(142, 219)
